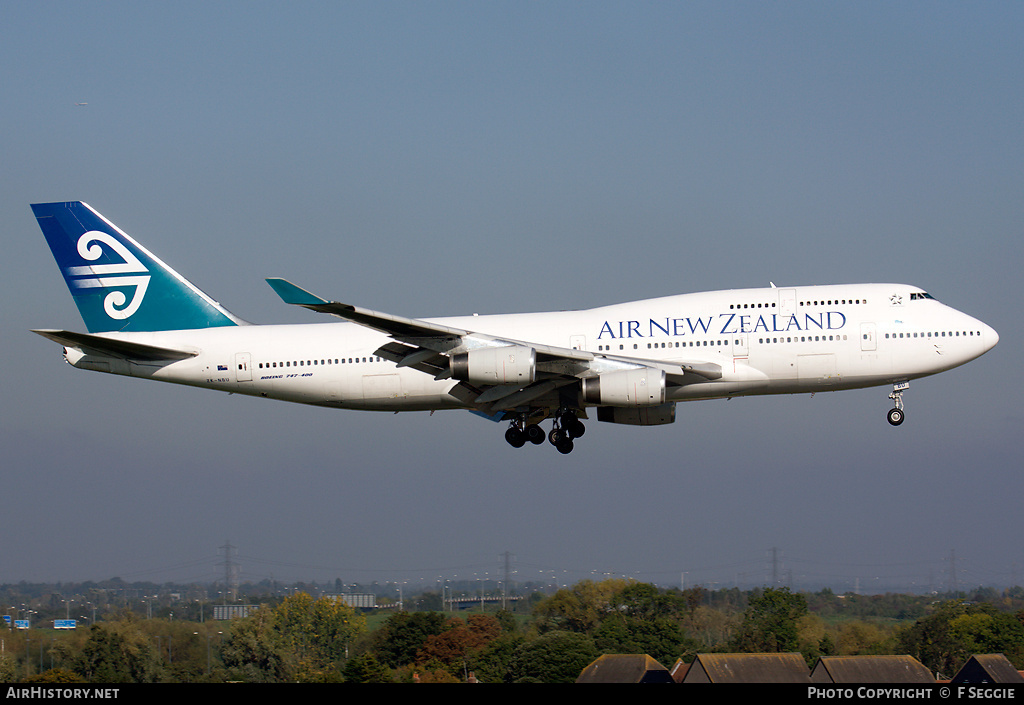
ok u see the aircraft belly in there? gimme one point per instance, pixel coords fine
(715, 390)
(383, 390)
(817, 369)
(389, 391)
(738, 379)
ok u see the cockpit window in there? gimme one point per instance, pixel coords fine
(920, 295)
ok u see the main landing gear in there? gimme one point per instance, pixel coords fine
(896, 415)
(519, 433)
(566, 428)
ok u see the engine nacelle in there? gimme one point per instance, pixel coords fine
(639, 416)
(644, 386)
(509, 364)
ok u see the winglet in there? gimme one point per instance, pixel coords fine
(292, 294)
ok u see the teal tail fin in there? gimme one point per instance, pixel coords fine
(117, 284)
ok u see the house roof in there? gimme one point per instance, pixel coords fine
(748, 668)
(988, 668)
(870, 669)
(678, 670)
(624, 668)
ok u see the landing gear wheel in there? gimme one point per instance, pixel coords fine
(557, 436)
(572, 425)
(565, 447)
(895, 416)
(534, 434)
(515, 437)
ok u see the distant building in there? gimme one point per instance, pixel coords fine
(988, 668)
(222, 612)
(870, 669)
(625, 668)
(748, 668)
(357, 600)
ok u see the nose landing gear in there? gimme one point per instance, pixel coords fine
(896, 415)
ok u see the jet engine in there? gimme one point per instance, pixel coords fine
(509, 364)
(644, 386)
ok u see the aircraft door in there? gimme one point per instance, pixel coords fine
(243, 367)
(739, 345)
(868, 335)
(787, 303)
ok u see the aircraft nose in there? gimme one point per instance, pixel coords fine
(990, 336)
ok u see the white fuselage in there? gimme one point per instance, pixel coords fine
(767, 341)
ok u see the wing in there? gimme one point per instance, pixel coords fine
(493, 373)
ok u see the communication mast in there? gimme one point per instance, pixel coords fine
(231, 570)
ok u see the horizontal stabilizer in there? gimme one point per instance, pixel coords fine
(113, 347)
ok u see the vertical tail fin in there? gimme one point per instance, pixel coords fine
(117, 284)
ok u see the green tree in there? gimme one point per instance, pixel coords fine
(988, 631)
(366, 669)
(711, 627)
(118, 652)
(507, 622)
(945, 639)
(56, 675)
(554, 657)
(254, 651)
(662, 638)
(770, 622)
(403, 634)
(812, 639)
(647, 601)
(855, 637)
(8, 668)
(318, 632)
(579, 608)
(493, 663)
(430, 602)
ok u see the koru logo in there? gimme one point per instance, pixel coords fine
(105, 276)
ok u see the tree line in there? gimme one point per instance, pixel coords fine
(550, 639)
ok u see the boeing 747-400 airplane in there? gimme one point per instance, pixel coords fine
(627, 363)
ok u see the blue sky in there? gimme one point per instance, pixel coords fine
(449, 158)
